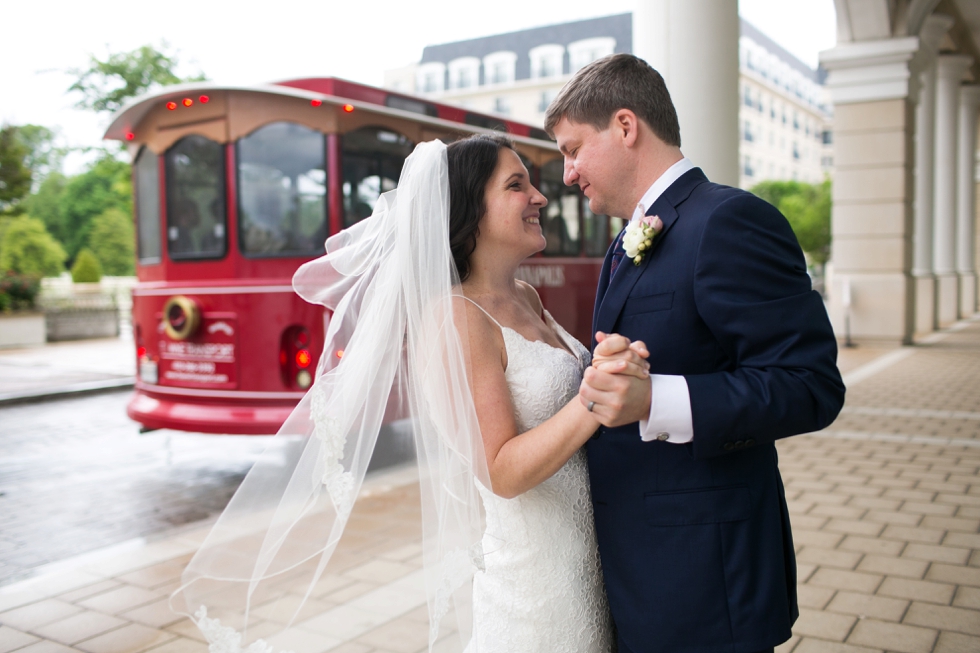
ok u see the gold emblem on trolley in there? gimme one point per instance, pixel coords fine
(181, 317)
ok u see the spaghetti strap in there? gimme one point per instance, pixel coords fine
(482, 309)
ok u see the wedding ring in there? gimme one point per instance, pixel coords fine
(591, 406)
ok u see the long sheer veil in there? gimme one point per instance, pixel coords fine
(389, 282)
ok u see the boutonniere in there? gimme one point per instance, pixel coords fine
(639, 236)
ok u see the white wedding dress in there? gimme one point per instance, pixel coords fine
(541, 588)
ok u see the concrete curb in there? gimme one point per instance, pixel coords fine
(68, 391)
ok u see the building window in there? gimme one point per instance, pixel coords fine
(828, 137)
(431, 77)
(747, 96)
(547, 97)
(747, 132)
(796, 151)
(582, 53)
(498, 67)
(747, 168)
(464, 72)
(501, 105)
(546, 61)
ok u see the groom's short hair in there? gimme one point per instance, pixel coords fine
(619, 81)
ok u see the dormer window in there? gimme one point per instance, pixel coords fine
(431, 77)
(464, 72)
(582, 53)
(498, 67)
(546, 61)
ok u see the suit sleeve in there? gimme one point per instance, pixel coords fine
(752, 290)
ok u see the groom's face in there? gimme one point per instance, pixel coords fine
(592, 161)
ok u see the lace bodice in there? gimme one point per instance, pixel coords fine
(541, 590)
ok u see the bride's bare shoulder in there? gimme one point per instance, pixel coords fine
(531, 295)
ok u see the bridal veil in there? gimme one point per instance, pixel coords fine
(388, 284)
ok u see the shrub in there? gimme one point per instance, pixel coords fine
(86, 268)
(18, 291)
(27, 248)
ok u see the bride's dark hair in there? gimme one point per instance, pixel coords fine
(471, 164)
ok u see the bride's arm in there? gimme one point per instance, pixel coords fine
(517, 462)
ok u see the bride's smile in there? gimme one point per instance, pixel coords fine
(512, 222)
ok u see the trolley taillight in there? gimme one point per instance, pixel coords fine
(295, 358)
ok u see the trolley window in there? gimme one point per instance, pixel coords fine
(195, 199)
(598, 230)
(560, 219)
(282, 187)
(372, 163)
(148, 207)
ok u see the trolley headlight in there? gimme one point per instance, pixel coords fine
(181, 317)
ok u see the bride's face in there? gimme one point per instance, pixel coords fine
(512, 221)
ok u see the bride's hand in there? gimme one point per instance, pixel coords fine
(615, 354)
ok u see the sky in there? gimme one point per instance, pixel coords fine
(249, 43)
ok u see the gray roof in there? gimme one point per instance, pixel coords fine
(620, 27)
(751, 31)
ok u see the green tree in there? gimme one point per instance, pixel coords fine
(111, 239)
(15, 175)
(45, 204)
(44, 154)
(86, 268)
(106, 185)
(107, 84)
(27, 248)
(807, 208)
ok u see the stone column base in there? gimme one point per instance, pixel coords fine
(925, 304)
(947, 298)
(968, 294)
(881, 307)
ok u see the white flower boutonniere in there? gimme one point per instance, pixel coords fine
(639, 236)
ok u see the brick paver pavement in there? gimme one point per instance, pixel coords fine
(885, 507)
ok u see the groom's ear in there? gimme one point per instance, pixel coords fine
(627, 126)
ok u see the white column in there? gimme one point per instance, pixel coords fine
(933, 30)
(694, 45)
(949, 74)
(966, 200)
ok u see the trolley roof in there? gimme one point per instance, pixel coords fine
(127, 119)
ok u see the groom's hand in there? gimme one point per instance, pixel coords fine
(615, 354)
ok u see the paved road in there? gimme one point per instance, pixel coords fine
(76, 475)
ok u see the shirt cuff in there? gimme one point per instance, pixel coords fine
(670, 411)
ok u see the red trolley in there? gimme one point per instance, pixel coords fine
(236, 187)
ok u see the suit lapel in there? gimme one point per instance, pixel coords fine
(603, 283)
(628, 273)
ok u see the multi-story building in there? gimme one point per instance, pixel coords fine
(784, 115)
(784, 118)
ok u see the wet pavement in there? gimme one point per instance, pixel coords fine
(66, 367)
(76, 475)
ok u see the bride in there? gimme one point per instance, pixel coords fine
(433, 325)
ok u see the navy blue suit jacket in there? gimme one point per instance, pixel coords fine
(695, 538)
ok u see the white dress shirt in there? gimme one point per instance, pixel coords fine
(670, 401)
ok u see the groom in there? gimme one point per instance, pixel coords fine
(690, 511)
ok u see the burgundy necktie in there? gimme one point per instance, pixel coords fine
(617, 255)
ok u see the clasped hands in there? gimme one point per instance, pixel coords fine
(617, 384)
